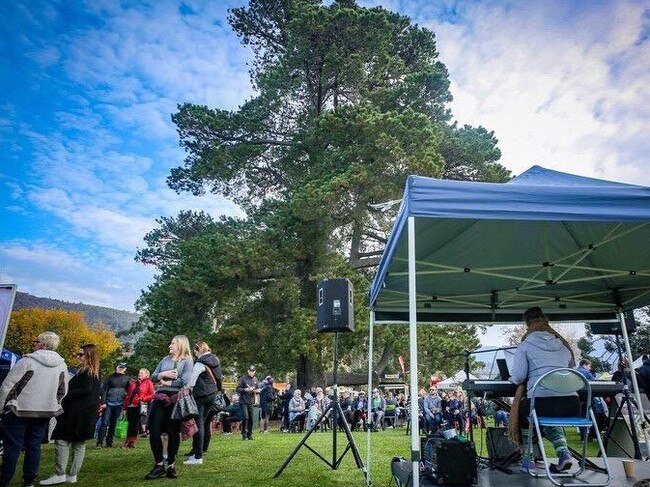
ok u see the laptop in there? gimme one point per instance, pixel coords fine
(503, 368)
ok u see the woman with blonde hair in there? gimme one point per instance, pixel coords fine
(171, 374)
(77, 423)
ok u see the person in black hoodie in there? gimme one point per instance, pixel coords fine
(205, 382)
(114, 390)
(267, 398)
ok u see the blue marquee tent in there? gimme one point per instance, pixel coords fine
(484, 252)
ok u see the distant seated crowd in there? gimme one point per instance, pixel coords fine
(300, 412)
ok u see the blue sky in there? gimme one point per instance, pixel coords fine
(87, 90)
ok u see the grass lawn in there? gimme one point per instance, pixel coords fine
(232, 461)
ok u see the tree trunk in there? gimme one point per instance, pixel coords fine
(386, 356)
(309, 374)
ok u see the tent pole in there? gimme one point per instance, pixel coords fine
(369, 396)
(413, 356)
(635, 384)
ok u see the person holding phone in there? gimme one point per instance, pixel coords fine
(171, 374)
(247, 386)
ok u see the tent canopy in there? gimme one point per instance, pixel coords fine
(575, 246)
(455, 380)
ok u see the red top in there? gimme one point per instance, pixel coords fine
(145, 393)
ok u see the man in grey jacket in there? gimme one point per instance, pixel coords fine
(29, 397)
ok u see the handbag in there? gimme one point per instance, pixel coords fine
(121, 428)
(185, 406)
(144, 408)
(219, 403)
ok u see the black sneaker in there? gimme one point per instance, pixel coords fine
(156, 472)
(171, 472)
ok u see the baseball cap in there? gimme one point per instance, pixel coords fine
(251, 368)
(121, 365)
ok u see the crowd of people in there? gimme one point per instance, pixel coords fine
(42, 386)
(184, 397)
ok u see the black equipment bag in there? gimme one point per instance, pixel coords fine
(499, 447)
(453, 462)
(401, 470)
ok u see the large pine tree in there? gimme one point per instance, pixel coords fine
(349, 101)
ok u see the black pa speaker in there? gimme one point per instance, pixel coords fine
(455, 463)
(614, 327)
(334, 305)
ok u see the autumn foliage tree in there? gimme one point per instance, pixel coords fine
(26, 324)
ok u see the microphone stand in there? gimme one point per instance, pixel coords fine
(466, 354)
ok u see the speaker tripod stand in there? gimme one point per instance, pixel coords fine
(337, 414)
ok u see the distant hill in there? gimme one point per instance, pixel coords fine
(116, 319)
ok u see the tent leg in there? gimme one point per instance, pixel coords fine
(635, 384)
(369, 396)
(413, 356)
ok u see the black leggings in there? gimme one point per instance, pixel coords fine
(133, 418)
(160, 422)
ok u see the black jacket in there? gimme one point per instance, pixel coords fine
(115, 387)
(234, 411)
(205, 385)
(643, 374)
(267, 395)
(80, 405)
(246, 397)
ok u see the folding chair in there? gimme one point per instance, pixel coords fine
(566, 382)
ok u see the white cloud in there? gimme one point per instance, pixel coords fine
(560, 88)
(98, 276)
(39, 254)
(46, 57)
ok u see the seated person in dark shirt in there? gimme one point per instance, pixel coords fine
(230, 415)
(346, 407)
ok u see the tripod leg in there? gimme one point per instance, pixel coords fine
(302, 443)
(612, 422)
(351, 444)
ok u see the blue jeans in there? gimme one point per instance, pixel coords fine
(109, 420)
(18, 433)
(433, 422)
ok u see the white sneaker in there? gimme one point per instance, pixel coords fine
(193, 461)
(71, 479)
(53, 480)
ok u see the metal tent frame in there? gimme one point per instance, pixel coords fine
(572, 245)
